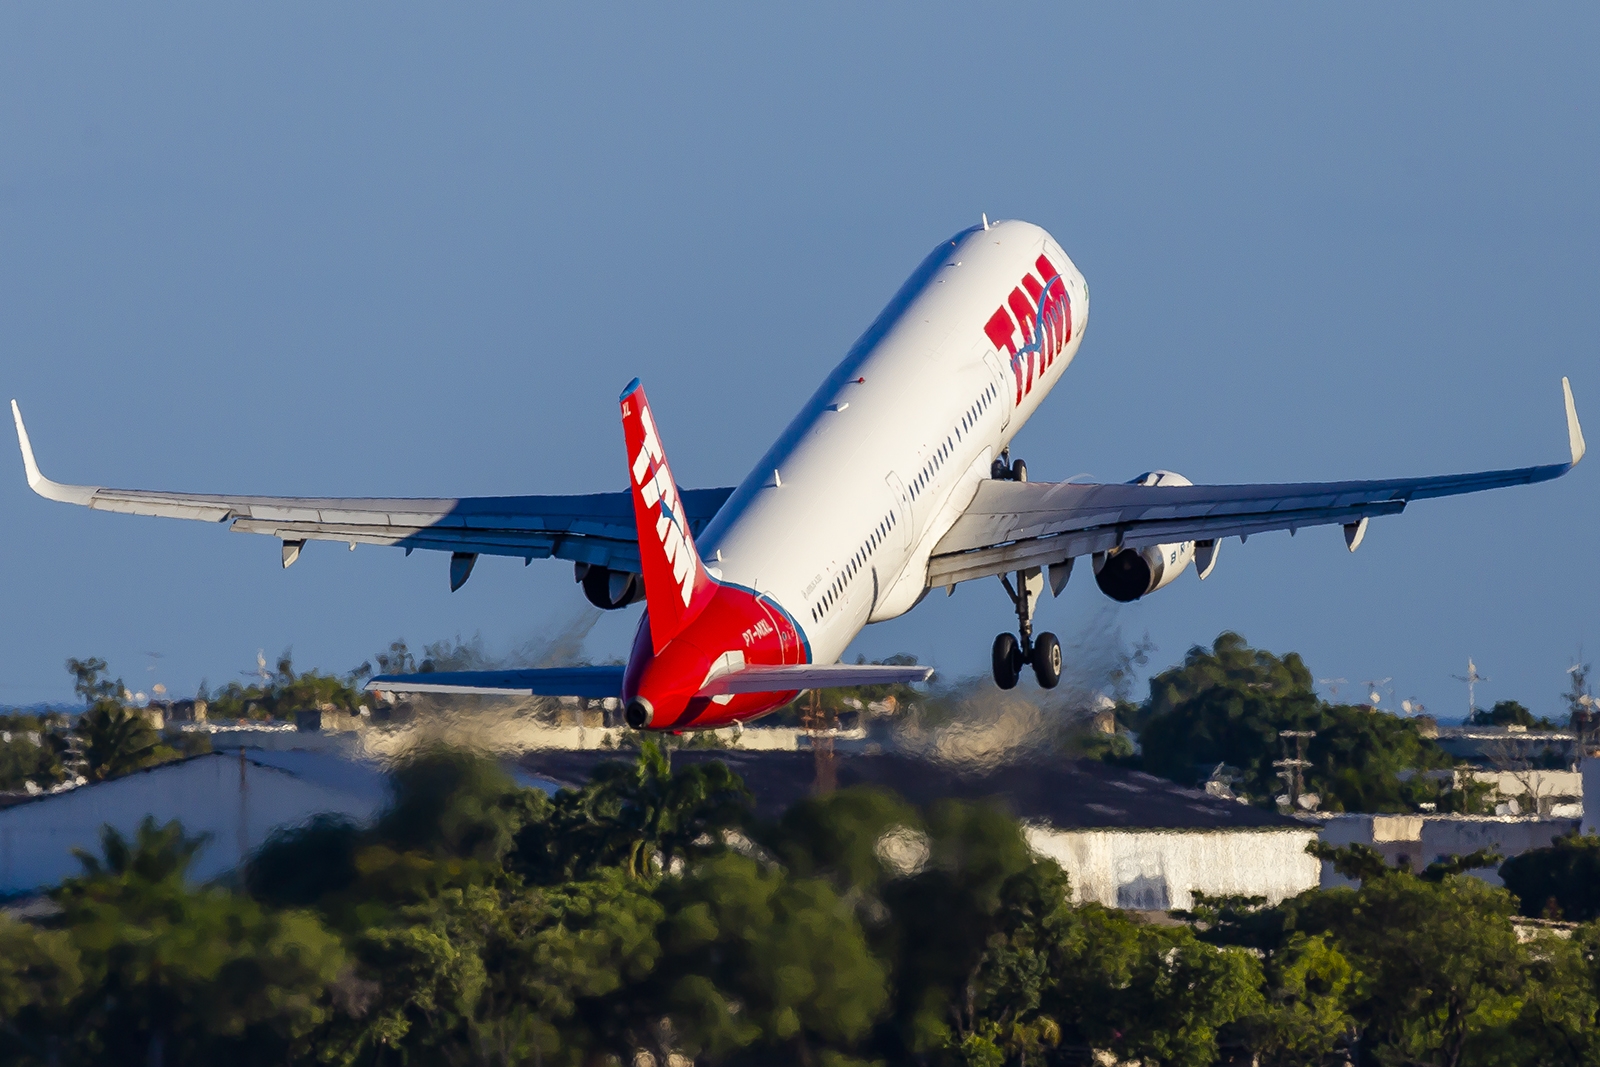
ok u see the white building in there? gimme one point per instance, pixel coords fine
(1159, 870)
(1418, 840)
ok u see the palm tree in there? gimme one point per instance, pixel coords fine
(649, 816)
(115, 740)
(156, 852)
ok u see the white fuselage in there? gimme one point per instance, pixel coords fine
(837, 521)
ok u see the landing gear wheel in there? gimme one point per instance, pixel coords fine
(1019, 471)
(1007, 661)
(1046, 660)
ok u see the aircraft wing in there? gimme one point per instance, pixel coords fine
(1012, 526)
(597, 528)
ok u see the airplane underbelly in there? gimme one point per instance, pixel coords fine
(828, 522)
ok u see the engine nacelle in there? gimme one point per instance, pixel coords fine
(608, 589)
(1125, 575)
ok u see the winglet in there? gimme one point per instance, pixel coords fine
(68, 494)
(676, 584)
(1574, 431)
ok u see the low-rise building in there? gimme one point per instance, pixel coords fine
(1498, 746)
(1416, 841)
(1125, 839)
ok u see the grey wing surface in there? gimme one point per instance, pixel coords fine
(596, 529)
(1011, 526)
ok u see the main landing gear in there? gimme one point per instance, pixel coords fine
(1004, 470)
(1012, 652)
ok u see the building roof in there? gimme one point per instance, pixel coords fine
(236, 798)
(1066, 794)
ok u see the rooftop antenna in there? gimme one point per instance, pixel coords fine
(1585, 708)
(1293, 769)
(1472, 678)
(261, 671)
(1373, 687)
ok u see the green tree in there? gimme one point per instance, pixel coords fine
(188, 974)
(117, 740)
(641, 816)
(40, 977)
(1558, 882)
(1552, 1017)
(1438, 960)
(1358, 758)
(1227, 705)
(567, 978)
(1181, 997)
(283, 691)
(857, 838)
(759, 963)
(455, 803)
(1509, 713)
(942, 921)
(29, 752)
(299, 866)
(89, 680)
(396, 659)
(1305, 1009)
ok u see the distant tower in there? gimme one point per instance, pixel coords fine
(1472, 678)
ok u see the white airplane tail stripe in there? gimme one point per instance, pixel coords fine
(676, 585)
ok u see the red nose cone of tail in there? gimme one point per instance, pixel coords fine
(737, 628)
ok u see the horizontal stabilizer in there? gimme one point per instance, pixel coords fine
(593, 682)
(760, 679)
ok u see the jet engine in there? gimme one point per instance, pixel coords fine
(1127, 574)
(608, 589)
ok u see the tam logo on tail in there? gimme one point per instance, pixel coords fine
(676, 584)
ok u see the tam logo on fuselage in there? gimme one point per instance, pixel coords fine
(1040, 312)
(659, 491)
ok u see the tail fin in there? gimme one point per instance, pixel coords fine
(676, 585)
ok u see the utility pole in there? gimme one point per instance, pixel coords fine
(1292, 771)
(819, 722)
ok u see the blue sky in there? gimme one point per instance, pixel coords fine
(363, 249)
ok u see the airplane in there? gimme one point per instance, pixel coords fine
(895, 479)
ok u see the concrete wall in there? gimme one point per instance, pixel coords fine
(1419, 840)
(238, 802)
(1152, 870)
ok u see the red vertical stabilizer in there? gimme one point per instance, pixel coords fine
(676, 585)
